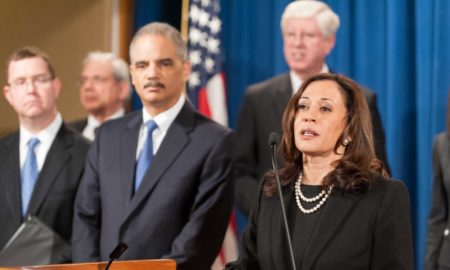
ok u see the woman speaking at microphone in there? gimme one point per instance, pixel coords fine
(342, 210)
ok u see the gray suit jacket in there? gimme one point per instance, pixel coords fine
(261, 113)
(438, 241)
(182, 207)
(54, 193)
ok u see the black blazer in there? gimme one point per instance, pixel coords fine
(54, 192)
(182, 208)
(368, 231)
(438, 242)
(261, 113)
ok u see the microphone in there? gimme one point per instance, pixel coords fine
(273, 143)
(116, 254)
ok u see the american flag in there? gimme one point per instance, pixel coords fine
(206, 86)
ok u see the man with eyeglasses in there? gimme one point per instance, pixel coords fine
(104, 87)
(309, 34)
(40, 165)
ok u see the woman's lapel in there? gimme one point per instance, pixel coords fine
(335, 211)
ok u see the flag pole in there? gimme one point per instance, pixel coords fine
(184, 27)
(184, 19)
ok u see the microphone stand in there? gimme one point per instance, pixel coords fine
(116, 254)
(273, 147)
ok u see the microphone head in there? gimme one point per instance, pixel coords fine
(118, 251)
(274, 139)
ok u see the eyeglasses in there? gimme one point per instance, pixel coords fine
(97, 80)
(38, 81)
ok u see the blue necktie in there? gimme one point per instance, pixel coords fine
(29, 174)
(146, 155)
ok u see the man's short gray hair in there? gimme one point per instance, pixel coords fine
(119, 66)
(165, 30)
(326, 18)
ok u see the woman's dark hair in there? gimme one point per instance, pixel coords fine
(354, 171)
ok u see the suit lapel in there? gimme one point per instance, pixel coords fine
(280, 247)
(128, 145)
(58, 155)
(282, 94)
(335, 211)
(11, 177)
(445, 156)
(174, 142)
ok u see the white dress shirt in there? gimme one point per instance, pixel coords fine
(163, 120)
(297, 82)
(93, 123)
(46, 138)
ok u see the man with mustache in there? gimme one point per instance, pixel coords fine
(104, 87)
(158, 179)
(308, 29)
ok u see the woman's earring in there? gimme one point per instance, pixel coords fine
(345, 142)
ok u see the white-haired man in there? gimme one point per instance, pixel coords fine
(104, 87)
(308, 29)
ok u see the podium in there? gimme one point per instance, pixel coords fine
(116, 265)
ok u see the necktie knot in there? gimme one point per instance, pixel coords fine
(32, 143)
(151, 126)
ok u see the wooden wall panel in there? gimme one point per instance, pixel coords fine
(67, 30)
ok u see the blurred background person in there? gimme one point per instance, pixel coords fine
(104, 88)
(41, 164)
(309, 34)
(438, 241)
(342, 211)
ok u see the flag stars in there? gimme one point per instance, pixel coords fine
(203, 19)
(216, 7)
(195, 57)
(213, 45)
(215, 25)
(209, 64)
(195, 35)
(194, 80)
(203, 42)
(206, 3)
(194, 13)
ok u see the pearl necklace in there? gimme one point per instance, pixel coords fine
(322, 196)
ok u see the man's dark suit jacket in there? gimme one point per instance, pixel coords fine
(261, 113)
(354, 231)
(182, 207)
(438, 242)
(54, 193)
(79, 125)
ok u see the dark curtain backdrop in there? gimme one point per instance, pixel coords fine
(399, 49)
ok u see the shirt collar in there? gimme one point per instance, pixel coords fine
(296, 82)
(92, 121)
(165, 118)
(45, 136)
